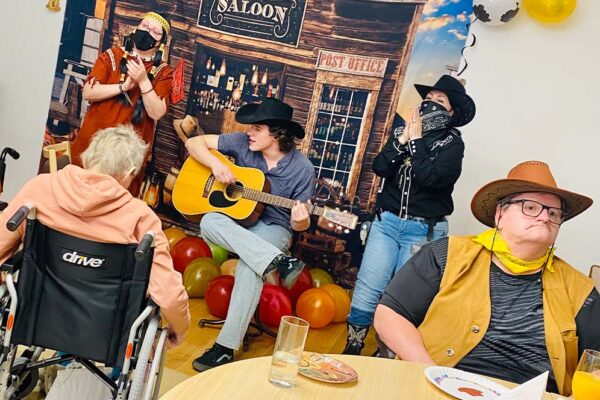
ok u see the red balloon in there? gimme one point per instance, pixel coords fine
(218, 295)
(303, 283)
(188, 249)
(274, 304)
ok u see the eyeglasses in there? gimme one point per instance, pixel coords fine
(533, 208)
(156, 34)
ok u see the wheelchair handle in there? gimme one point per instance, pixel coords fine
(18, 217)
(144, 246)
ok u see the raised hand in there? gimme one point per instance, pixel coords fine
(414, 126)
(136, 70)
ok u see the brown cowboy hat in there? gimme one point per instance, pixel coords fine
(187, 127)
(528, 176)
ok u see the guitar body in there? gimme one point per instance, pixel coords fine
(197, 192)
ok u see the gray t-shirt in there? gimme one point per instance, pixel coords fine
(291, 178)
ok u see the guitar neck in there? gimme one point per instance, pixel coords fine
(268, 198)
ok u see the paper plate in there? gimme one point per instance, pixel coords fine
(464, 385)
(326, 369)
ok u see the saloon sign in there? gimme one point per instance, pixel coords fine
(275, 21)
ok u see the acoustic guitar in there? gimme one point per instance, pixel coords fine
(197, 192)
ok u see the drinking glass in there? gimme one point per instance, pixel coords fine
(288, 351)
(586, 381)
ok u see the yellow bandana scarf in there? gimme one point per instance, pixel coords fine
(515, 264)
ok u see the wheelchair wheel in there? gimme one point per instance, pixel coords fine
(141, 365)
(156, 372)
(27, 383)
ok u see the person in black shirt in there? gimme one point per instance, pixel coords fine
(420, 164)
(499, 303)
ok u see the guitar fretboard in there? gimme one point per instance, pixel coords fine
(256, 195)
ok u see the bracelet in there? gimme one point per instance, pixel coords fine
(148, 91)
(121, 91)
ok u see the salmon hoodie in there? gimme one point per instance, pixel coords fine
(95, 206)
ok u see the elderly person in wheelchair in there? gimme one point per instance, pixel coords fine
(91, 256)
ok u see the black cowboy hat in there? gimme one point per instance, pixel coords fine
(462, 103)
(271, 112)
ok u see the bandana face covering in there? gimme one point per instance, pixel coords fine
(143, 40)
(514, 264)
(433, 116)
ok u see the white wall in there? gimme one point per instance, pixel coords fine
(537, 89)
(30, 39)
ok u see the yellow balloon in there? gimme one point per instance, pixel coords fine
(549, 11)
(229, 266)
(198, 274)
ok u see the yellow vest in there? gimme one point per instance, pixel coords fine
(459, 315)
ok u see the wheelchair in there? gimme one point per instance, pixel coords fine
(85, 300)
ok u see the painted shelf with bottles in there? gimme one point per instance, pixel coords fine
(222, 82)
(339, 120)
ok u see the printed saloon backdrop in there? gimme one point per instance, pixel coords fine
(346, 66)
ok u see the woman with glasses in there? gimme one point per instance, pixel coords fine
(129, 84)
(498, 303)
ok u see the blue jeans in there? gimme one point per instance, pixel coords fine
(256, 246)
(392, 241)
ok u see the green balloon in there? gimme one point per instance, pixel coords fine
(219, 254)
(198, 275)
(320, 277)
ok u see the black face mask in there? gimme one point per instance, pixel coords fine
(143, 40)
(433, 115)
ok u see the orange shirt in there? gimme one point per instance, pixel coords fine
(112, 112)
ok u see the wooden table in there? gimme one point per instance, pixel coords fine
(247, 379)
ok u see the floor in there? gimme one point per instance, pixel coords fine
(330, 339)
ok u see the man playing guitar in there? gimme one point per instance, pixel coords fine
(268, 146)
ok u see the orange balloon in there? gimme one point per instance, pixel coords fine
(174, 235)
(228, 267)
(316, 306)
(341, 299)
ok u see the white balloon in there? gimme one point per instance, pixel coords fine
(496, 12)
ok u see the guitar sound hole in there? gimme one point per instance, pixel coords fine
(234, 190)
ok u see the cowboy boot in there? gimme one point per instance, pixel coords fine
(382, 350)
(356, 339)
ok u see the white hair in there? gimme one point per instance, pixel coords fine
(114, 151)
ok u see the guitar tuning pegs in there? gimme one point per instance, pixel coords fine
(345, 211)
(346, 231)
(330, 225)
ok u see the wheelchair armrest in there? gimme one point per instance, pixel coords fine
(18, 217)
(13, 264)
(144, 246)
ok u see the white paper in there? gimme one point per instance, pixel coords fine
(533, 389)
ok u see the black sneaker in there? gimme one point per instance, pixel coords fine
(289, 268)
(215, 356)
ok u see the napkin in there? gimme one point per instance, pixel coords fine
(533, 389)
